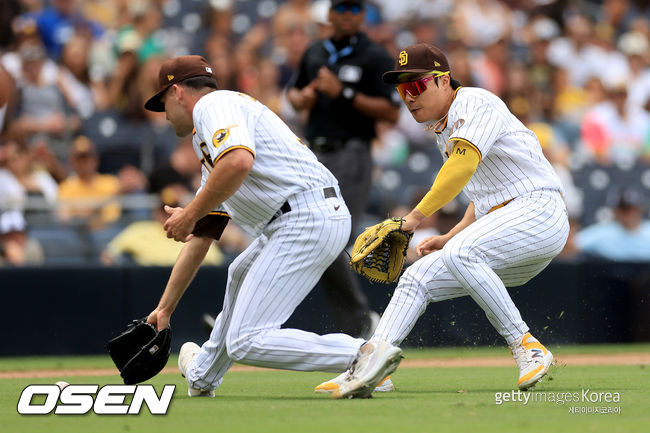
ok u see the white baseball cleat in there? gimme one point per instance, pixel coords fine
(329, 386)
(373, 321)
(533, 360)
(376, 360)
(185, 356)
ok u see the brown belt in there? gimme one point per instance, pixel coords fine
(500, 205)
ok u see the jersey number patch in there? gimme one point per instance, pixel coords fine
(207, 159)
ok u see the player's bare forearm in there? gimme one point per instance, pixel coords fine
(376, 107)
(434, 243)
(412, 220)
(186, 266)
(225, 179)
(467, 219)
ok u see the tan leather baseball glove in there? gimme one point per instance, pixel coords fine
(379, 252)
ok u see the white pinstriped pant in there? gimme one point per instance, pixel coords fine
(506, 247)
(265, 285)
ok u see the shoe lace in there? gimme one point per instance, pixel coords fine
(354, 365)
(523, 357)
(350, 371)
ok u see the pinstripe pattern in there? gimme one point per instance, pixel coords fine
(212, 362)
(512, 162)
(507, 247)
(278, 270)
(265, 285)
(283, 165)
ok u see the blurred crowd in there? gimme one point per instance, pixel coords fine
(83, 165)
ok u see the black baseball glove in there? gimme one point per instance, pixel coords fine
(141, 351)
(211, 226)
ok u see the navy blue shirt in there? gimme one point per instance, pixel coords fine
(358, 63)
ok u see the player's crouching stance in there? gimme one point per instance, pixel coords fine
(515, 224)
(258, 171)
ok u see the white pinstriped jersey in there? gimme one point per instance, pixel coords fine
(226, 120)
(512, 162)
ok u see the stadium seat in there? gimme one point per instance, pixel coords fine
(596, 182)
(61, 245)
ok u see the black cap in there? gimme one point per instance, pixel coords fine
(417, 59)
(174, 71)
(361, 3)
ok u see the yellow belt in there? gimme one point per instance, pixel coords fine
(500, 205)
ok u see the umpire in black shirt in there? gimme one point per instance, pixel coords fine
(339, 83)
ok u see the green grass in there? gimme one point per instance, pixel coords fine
(103, 361)
(427, 400)
(565, 349)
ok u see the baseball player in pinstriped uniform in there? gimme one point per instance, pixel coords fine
(256, 170)
(515, 224)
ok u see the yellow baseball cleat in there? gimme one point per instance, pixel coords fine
(533, 360)
(328, 387)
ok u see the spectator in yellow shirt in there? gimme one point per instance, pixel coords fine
(86, 195)
(146, 242)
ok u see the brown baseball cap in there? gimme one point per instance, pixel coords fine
(174, 71)
(417, 59)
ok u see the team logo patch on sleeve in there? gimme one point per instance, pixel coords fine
(221, 135)
(457, 124)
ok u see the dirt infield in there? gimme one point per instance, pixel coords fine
(491, 361)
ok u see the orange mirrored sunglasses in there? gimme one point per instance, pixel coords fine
(416, 87)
